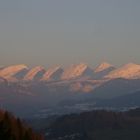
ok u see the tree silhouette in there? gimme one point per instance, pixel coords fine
(13, 129)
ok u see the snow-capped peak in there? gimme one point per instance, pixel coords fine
(75, 71)
(12, 70)
(52, 74)
(128, 71)
(131, 65)
(103, 66)
(34, 73)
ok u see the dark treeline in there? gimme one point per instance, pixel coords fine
(12, 128)
(97, 125)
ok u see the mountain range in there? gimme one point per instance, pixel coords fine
(105, 70)
(37, 88)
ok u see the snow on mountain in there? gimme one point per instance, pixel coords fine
(52, 74)
(35, 74)
(129, 71)
(11, 72)
(103, 66)
(2, 80)
(102, 70)
(76, 71)
(83, 87)
(1, 68)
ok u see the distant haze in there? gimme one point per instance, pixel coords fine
(51, 32)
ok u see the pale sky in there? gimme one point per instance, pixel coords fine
(51, 32)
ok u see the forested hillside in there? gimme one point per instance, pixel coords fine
(96, 125)
(12, 128)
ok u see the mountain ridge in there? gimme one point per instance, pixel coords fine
(128, 71)
(105, 70)
(33, 72)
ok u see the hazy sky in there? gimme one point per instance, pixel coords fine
(50, 32)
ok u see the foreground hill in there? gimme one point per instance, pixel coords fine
(131, 100)
(116, 87)
(13, 129)
(96, 125)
